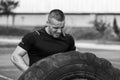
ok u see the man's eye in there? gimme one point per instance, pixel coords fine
(58, 27)
(62, 27)
(55, 27)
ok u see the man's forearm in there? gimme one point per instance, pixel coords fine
(19, 63)
(23, 68)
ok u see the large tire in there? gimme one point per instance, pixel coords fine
(72, 65)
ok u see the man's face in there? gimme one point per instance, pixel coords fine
(55, 27)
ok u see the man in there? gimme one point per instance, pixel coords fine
(44, 42)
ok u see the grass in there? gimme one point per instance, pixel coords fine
(7, 45)
(90, 33)
(79, 33)
(12, 31)
(83, 33)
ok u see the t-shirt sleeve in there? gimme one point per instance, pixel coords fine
(72, 43)
(26, 41)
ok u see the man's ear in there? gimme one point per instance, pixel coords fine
(47, 22)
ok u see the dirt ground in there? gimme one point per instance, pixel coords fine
(8, 70)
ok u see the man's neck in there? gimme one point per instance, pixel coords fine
(47, 30)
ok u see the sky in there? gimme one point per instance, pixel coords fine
(69, 6)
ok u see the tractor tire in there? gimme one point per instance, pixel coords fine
(72, 65)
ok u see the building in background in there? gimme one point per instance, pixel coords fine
(79, 13)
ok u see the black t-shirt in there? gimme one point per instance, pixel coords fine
(40, 44)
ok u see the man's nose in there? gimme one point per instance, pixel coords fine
(59, 30)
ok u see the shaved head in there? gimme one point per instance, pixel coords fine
(56, 14)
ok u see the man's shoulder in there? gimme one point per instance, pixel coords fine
(67, 35)
(30, 34)
(35, 33)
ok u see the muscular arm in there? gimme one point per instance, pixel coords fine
(17, 58)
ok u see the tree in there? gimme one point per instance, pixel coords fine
(6, 7)
(100, 25)
(115, 26)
